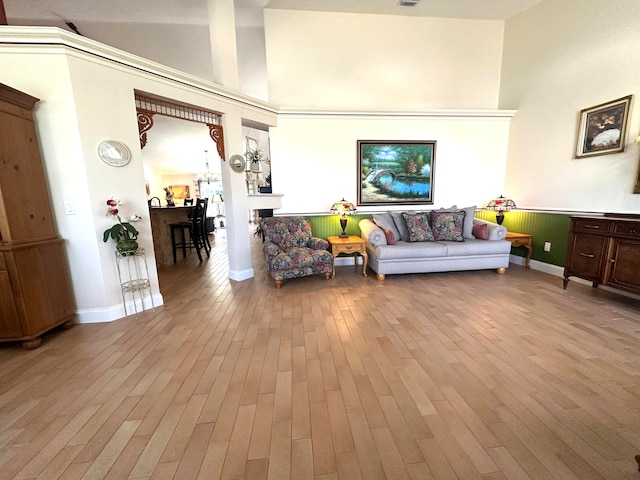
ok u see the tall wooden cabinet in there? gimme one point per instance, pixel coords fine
(605, 250)
(35, 291)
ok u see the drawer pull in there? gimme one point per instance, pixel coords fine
(595, 227)
(633, 232)
(588, 255)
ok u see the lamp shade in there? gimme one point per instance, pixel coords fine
(501, 203)
(343, 207)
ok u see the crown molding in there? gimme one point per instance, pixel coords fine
(56, 37)
(437, 113)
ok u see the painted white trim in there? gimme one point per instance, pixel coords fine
(116, 312)
(319, 113)
(53, 36)
(239, 276)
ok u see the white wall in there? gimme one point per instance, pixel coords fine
(560, 57)
(86, 99)
(315, 156)
(346, 60)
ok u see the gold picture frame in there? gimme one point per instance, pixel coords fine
(603, 128)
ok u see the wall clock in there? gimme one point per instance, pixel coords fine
(114, 153)
(237, 163)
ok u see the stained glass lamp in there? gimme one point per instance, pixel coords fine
(501, 204)
(345, 208)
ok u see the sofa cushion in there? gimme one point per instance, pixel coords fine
(447, 226)
(481, 231)
(418, 229)
(477, 247)
(411, 250)
(401, 225)
(385, 222)
(467, 228)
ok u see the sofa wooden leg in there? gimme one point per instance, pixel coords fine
(278, 283)
(380, 276)
(501, 271)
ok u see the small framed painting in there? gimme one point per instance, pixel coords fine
(603, 128)
(179, 191)
(396, 172)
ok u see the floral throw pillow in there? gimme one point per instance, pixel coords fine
(418, 227)
(447, 226)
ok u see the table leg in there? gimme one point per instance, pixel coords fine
(529, 252)
(365, 259)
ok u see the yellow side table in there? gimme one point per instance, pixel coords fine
(521, 240)
(351, 244)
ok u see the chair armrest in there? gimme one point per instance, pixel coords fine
(270, 249)
(496, 232)
(372, 233)
(318, 243)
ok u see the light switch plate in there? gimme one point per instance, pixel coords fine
(69, 208)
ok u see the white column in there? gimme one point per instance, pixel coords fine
(236, 203)
(222, 35)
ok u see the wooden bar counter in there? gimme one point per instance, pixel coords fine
(161, 218)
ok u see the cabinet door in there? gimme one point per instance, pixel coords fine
(9, 322)
(625, 267)
(587, 256)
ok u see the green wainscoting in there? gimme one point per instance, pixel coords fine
(545, 227)
(324, 225)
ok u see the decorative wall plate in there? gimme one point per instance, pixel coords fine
(237, 163)
(114, 153)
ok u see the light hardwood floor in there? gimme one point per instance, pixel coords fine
(467, 375)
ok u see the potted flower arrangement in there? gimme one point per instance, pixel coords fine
(254, 157)
(124, 234)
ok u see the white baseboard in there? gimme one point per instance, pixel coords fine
(241, 275)
(557, 271)
(116, 312)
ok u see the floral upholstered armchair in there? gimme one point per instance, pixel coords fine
(291, 251)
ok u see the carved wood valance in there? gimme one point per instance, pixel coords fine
(148, 106)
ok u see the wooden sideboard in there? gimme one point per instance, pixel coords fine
(35, 291)
(605, 250)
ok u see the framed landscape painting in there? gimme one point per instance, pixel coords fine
(603, 128)
(396, 172)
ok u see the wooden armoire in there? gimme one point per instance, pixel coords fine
(35, 291)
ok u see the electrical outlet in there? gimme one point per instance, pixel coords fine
(547, 246)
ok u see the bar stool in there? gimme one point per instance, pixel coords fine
(195, 227)
(205, 203)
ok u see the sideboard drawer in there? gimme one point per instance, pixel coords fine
(591, 225)
(627, 229)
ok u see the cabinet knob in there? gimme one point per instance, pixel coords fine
(613, 260)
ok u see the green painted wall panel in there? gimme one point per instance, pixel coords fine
(544, 227)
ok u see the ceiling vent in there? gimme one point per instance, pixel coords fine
(408, 3)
